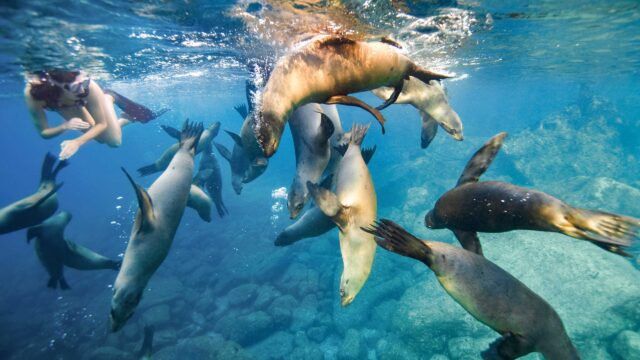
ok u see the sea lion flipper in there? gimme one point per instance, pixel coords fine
(171, 131)
(224, 152)
(52, 283)
(351, 101)
(429, 130)
(326, 128)
(397, 89)
(146, 214)
(148, 170)
(327, 202)
(327, 181)
(47, 195)
(33, 232)
(507, 347)
(425, 75)
(63, 283)
(367, 153)
(480, 161)
(242, 110)
(469, 240)
(394, 238)
(190, 135)
(47, 167)
(147, 342)
(235, 137)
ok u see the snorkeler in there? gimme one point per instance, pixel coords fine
(83, 105)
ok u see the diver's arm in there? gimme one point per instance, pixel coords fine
(39, 118)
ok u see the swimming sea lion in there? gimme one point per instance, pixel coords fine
(147, 343)
(161, 209)
(314, 222)
(494, 206)
(352, 205)
(134, 111)
(431, 100)
(200, 202)
(311, 130)
(161, 164)
(526, 322)
(325, 70)
(209, 178)
(55, 252)
(35, 208)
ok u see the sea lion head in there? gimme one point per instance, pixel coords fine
(438, 108)
(296, 197)
(268, 130)
(236, 182)
(352, 280)
(431, 220)
(123, 304)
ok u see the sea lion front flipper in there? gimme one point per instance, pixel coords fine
(326, 128)
(480, 161)
(351, 101)
(367, 153)
(425, 75)
(242, 110)
(328, 203)
(224, 152)
(469, 240)
(327, 181)
(63, 283)
(392, 237)
(52, 283)
(507, 347)
(171, 131)
(235, 137)
(397, 89)
(146, 217)
(429, 130)
(33, 232)
(148, 170)
(47, 196)
(147, 342)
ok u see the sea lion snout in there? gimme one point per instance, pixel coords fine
(429, 220)
(268, 132)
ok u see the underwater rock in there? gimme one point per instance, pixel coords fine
(352, 347)
(245, 329)
(276, 346)
(467, 348)
(317, 333)
(162, 290)
(208, 347)
(164, 337)
(242, 295)
(157, 316)
(627, 345)
(392, 348)
(305, 314)
(281, 310)
(306, 353)
(108, 353)
(206, 303)
(299, 280)
(266, 294)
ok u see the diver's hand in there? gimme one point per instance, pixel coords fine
(69, 147)
(76, 124)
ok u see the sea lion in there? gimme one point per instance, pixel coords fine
(55, 252)
(200, 202)
(35, 208)
(134, 111)
(352, 205)
(494, 297)
(494, 206)
(314, 222)
(209, 178)
(311, 130)
(245, 159)
(161, 209)
(163, 161)
(431, 100)
(325, 70)
(147, 343)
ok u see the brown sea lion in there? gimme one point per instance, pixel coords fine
(325, 70)
(494, 297)
(494, 206)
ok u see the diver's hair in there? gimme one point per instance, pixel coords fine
(46, 90)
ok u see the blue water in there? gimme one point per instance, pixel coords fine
(563, 78)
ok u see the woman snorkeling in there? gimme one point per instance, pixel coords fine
(83, 105)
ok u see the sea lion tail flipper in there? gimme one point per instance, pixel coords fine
(33, 232)
(242, 110)
(327, 202)
(148, 170)
(326, 128)
(351, 101)
(116, 264)
(507, 347)
(397, 89)
(63, 283)
(358, 132)
(146, 217)
(235, 137)
(52, 283)
(47, 167)
(190, 135)
(611, 232)
(147, 342)
(171, 131)
(429, 130)
(394, 238)
(221, 208)
(480, 161)
(469, 240)
(327, 181)
(224, 152)
(425, 75)
(341, 149)
(367, 153)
